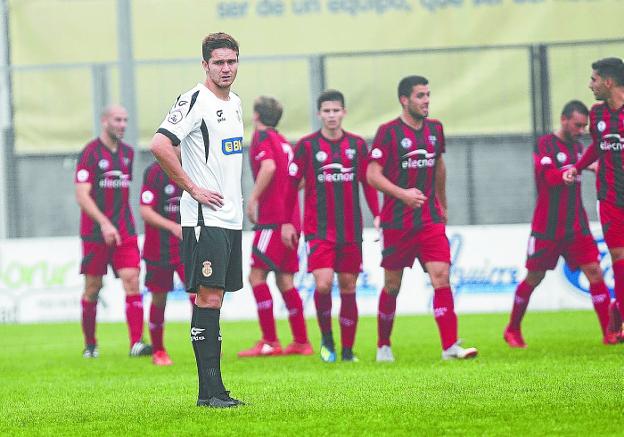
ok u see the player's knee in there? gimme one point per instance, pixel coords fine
(392, 287)
(593, 273)
(439, 278)
(208, 300)
(159, 300)
(534, 278)
(256, 277)
(324, 287)
(284, 282)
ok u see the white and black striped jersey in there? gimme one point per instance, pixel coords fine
(210, 132)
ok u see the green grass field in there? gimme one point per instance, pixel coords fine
(566, 382)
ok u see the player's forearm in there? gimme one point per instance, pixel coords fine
(371, 198)
(590, 155)
(88, 205)
(377, 180)
(440, 182)
(152, 218)
(263, 179)
(164, 152)
(553, 177)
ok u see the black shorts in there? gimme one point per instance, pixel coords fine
(212, 258)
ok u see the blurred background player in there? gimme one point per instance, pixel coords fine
(333, 163)
(560, 226)
(207, 123)
(606, 126)
(160, 209)
(107, 229)
(407, 166)
(270, 154)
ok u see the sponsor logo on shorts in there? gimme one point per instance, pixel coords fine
(232, 146)
(207, 269)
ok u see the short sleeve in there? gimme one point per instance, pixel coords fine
(296, 168)
(85, 168)
(264, 150)
(150, 189)
(441, 139)
(182, 119)
(380, 147)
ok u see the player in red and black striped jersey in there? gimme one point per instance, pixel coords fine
(160, 209)
(560, 226)
(406, 164)
(333, 163)
(107, 230)
(269, 155)
(606, 125)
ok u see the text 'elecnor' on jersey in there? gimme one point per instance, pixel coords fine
(333, 171)
(272, 210)
(607, 131)
(559, 211)
(210, 132)
(159, 192)
(408, 158)
(109, 174)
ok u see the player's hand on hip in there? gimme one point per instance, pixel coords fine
(252, 208)
(111, 234)
(206, 197)
(569, 176)
(290, 238)
(176, 230)
(413, 197)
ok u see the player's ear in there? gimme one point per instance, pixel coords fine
(204, 65)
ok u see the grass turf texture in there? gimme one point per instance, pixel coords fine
(566, 382)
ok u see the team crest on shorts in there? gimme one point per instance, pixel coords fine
(207, 269)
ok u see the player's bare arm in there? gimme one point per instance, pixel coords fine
(152, 218)
(263, 179)
(440, 186)
(412, 197)
(87, 204)
(163, 150)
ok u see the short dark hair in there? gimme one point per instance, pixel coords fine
(218, 40)
(330, 96)
(269, 110)
(612, 68)
(408, 83)
(574, 106)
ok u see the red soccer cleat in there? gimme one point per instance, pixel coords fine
(295, 348)
(514, 338)
(262, 349)
(161, 358)
(614, 329)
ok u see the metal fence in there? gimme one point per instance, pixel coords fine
(515, 97)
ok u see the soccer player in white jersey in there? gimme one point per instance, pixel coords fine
(205, 126)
